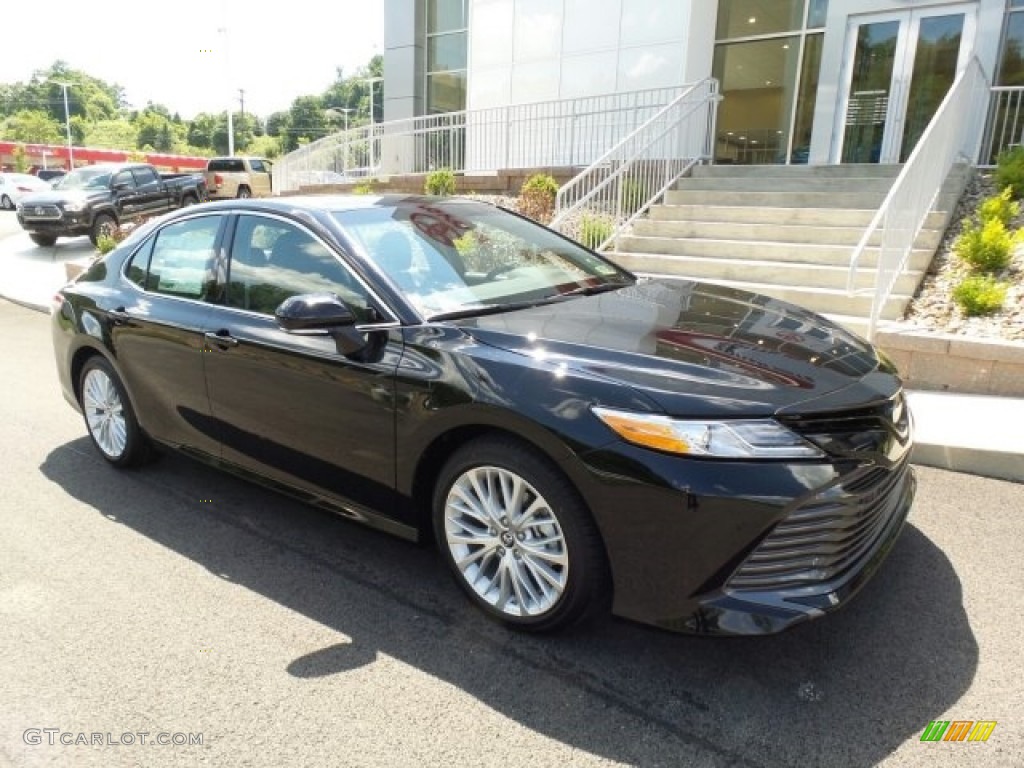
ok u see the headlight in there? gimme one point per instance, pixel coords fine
(744, 439)
(74, 207)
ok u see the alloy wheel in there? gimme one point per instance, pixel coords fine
(104, 413)
(506, 541)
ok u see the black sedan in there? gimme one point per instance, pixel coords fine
(576, 439)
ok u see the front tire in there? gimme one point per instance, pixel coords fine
(103, 224)
(6, 203)
(518, 539)
(43, 240)
(109, 416)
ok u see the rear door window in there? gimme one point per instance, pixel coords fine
(178, 260)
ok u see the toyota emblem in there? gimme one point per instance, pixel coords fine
(40, 211)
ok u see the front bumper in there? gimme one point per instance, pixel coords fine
(742, 548)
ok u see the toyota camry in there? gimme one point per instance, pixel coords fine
(577, 440)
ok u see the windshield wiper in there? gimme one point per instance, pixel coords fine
(493, 309)
(590, 290)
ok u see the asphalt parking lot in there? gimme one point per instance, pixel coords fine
(179, 601)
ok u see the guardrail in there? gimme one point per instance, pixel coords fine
(568, 132)
(626, 180)
(1005, 122)
(953, 134)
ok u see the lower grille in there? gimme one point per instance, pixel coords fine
(827, 536)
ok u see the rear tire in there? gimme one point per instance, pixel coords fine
(518, 539)
(6, 203)
(43, 240)
(244, 192)
(188, 200)
(103, 224)
(109, 416)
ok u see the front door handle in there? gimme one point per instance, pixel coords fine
(222, 339)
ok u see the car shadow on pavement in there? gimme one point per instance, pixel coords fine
(844, 690)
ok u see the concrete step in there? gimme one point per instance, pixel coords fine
(870, 200)
(821, 300)
(823, 217)
(766, 272)
(786, 233)
(864, 170)
(800, 253)
(786, 184)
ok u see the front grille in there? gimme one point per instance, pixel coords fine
(826, 536)
(883, 429)
(40, 212)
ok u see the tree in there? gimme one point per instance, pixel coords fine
(33, 126)
(112, 134)
(307, 121)
(20, 159)
(278, 123)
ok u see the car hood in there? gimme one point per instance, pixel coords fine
(698, 349)
(57, 196)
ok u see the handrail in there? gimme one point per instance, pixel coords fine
(1005, 127)
(626, 180)
(953, 133)
(546, 134)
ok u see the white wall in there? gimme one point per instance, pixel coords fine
(523, 51)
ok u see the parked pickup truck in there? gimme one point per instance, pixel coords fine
(97, 198)
(228, 177)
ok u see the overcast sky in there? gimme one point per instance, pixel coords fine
(172, 53)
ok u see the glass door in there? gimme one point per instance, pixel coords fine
(899, 66)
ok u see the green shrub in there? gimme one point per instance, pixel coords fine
(633, 196)
(594, 230)
(440, 182)
(106, 243)
(988, 247)
(1010, 170)
(1002, 207)
(979, 294)
(363, 188)
(537, 197)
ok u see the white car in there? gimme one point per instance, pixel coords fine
(14, 185)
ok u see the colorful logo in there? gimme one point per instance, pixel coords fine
(958, 730)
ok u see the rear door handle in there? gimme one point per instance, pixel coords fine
(222, 339)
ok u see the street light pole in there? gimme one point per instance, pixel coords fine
(67, 123)
(227, 84)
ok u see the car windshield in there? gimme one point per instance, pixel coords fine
(456, 258)
(84, 178)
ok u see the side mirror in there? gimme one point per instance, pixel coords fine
(313, 311)
(121, 186)
(322, 312)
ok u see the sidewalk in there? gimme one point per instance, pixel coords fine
(977, 434)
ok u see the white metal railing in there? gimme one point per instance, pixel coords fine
(1005, 122)
(623, 182)
(569, 132)
(954, 134)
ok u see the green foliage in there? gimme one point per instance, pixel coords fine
(440, 182)
(21, 163)
(1001, 207)
(1010, 170)
(979, 294)
(33, 126)
(105, 244)
(633, 196)
(537, 197)
(265, 146)
(988, 247)
(363, 188)
(594, 230)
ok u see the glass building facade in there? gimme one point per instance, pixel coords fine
(802, 81)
